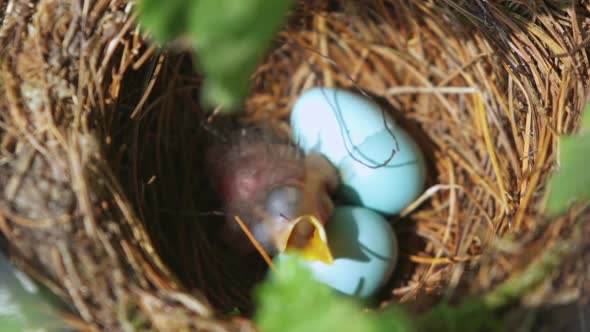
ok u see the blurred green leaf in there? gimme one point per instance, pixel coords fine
(12, 323)
(229, 37)
(472, 315)
(572, 181)
(26, 306)
(292, 301)
(165, 20)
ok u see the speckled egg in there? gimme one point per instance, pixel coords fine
(381, 166)
(364, 248)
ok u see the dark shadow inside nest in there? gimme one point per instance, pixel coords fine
(158, 155)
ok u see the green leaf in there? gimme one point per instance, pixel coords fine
(292, 301)
(26, 306)
(571, 183)
(229, 37)
(472, 315)
(165, 20)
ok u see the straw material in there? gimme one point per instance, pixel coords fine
(103, 199)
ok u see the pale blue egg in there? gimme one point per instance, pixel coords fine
(365, 252)
(370, 180)
(356, 136)
(334, 121)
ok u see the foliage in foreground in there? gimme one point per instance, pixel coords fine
(292, 301)
(24, 306)
(571, 183)
(228, 36)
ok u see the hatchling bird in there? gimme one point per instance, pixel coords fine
(270, 185)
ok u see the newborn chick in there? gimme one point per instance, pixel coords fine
(268, 184)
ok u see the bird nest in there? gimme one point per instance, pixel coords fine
(101, 137)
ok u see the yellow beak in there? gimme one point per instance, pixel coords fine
(315, 249)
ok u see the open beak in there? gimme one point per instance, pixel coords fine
(312, 248)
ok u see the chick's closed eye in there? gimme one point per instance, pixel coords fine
(284, 201)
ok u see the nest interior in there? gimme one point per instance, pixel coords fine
(103, 199)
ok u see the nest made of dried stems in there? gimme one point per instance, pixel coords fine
(101, 135)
